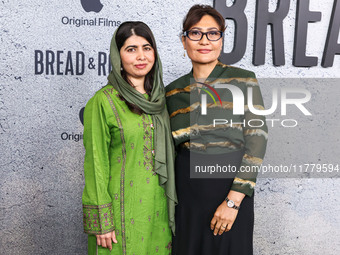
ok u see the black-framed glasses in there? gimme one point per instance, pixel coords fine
(197, 35)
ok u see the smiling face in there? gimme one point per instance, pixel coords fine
(203, 51)
(137, 56)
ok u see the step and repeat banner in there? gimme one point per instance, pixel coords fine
(55, 56)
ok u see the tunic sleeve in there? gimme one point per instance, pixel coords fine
(255, 134)
(97, 203)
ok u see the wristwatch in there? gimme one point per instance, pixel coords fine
(231, 204)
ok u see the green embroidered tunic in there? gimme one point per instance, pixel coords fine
(122, 191)
(197, 132)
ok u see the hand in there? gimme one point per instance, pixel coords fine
(106, 240)
(225, 216)
(223, 219)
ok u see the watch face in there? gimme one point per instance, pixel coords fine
(230, 203)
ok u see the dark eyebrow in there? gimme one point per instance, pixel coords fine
(131, 46)
(135, 46)
(199, 28)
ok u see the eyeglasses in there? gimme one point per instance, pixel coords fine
(196, 35)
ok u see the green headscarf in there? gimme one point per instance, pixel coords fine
(155, 106)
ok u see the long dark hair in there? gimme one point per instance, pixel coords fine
(125, 30)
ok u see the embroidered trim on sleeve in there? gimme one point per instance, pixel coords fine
(98, 219)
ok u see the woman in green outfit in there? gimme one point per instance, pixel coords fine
(129, 193)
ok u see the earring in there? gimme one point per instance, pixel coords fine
(184, 54)
(121, 69)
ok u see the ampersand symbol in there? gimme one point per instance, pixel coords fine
(91, 65)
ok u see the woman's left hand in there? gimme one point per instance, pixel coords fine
(223, 219)
(225, 216)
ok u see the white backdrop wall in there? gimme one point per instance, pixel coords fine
(41, 153)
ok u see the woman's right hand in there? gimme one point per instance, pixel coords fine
(106, 240)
